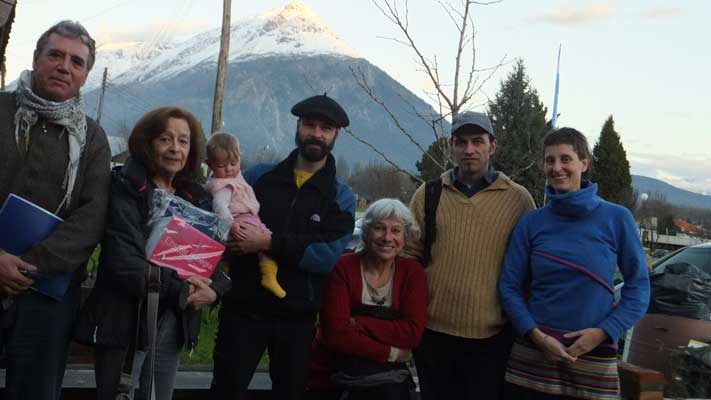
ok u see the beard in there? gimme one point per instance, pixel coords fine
(313, 150)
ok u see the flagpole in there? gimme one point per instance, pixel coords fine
(554, 119)
(555, 96)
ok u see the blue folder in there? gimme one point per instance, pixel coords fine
(22, 225)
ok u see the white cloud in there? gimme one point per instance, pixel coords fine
(566, 15)
(662, 12)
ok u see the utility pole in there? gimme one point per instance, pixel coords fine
(101, 98)
(221, 67)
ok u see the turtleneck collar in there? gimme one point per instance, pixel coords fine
(575, 204)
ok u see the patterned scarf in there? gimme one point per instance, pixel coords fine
(67, 114)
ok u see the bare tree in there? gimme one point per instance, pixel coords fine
(654, 215)
(376, 181)
(343, 169)
(265, 154)
(451, 95)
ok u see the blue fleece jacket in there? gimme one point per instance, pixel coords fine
(584, 229)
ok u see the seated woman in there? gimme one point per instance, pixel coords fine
(165, 147)
(375, 309)
(556, 283)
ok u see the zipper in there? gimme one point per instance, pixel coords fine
(291, 210)
(309, 285)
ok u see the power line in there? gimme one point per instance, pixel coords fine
(100, 13)
(142, 98)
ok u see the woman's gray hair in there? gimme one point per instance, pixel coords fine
(386, 209)
(73, 30)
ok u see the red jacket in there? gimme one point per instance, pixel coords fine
(371, 337)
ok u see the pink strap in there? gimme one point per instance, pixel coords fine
(575, 267)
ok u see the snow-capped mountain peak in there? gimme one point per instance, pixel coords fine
(291, 30)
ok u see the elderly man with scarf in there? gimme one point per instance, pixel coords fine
(56, 157)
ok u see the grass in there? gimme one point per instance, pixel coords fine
(93, 262)
(202, 355)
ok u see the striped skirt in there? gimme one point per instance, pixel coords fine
(591, 376)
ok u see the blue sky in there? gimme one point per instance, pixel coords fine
(644, 62)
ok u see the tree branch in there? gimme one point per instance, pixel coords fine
(402, 25)
(468, 96)
(458, 62)
(363, 83)
(375, 149)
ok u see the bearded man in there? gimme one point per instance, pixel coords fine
(58, 158)
(310, 214)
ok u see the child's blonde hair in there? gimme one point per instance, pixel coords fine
(223, 141)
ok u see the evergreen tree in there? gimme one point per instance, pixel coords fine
(610, 168)
(439, 150)
(519, 121)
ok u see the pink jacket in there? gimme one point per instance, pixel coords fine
(242, 201)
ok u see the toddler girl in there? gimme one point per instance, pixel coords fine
(234, 200)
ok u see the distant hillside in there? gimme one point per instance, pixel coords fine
(673, 194)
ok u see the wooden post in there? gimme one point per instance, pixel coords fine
(221, 67)
(101, 97)
(4, 39)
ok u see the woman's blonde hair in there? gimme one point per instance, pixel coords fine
(223, 141)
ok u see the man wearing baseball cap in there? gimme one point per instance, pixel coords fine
(310, 214)
(466, 343)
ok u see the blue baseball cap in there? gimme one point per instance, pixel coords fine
(472, 118)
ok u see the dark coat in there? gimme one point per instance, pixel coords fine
(310, 228)
(38, 176)
(111, 312)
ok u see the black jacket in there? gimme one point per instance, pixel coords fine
(110, 314)
(310, 228)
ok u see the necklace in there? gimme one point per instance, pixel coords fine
(378, 295)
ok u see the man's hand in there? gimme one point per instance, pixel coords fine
(12, 281)
(201, 294)
(588, 339)
(235, 230)
(250, 239)
(551, 347)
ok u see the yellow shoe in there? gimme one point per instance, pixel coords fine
(268, 268)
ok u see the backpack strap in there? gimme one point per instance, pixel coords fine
(433, 191)
(125, 388)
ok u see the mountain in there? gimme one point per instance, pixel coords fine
(673, 194)
(276, 59)
(293, 30)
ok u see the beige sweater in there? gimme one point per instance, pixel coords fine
(472, 235)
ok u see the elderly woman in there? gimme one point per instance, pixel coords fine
(165, 147)
(556, 283)
(375, 308)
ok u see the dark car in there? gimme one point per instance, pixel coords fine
(356, 238)
(657, 336)
(698, 255)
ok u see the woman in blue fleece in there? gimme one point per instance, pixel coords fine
(556, 283)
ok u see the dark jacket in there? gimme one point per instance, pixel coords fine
(310, 228)
(110, 313)
(38, 176)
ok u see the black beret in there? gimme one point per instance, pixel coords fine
(322, 106)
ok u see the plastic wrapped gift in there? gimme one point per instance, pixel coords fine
(184, 237)
(179, 246)
(165, 204)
